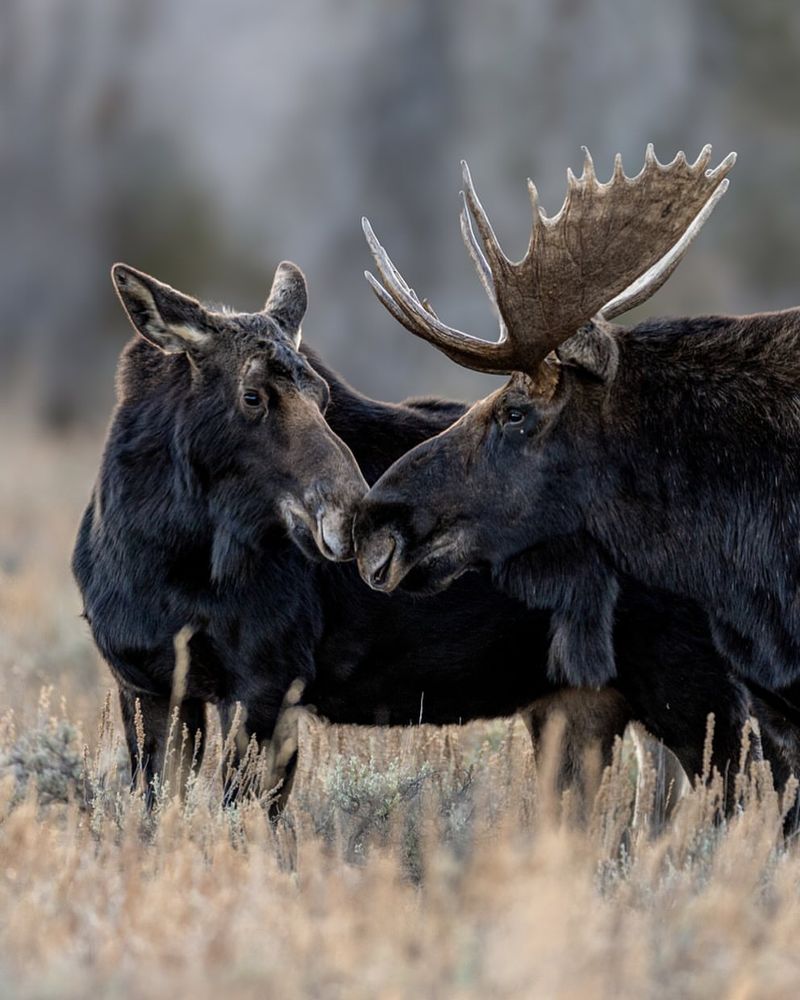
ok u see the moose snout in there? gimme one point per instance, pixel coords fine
(323, 514)
(378, 560)
(380, 543)
(335, 505)
(334, 534)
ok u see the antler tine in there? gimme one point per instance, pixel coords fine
(649, 283)
(497, 260)
(384, 262)
(588, 167)
(388, 302)
(479, 260)
(703, 159)
(403, 304)
(722, 169)
(402, 296)
(474, 249)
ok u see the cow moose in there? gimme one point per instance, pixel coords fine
(667, 453)
(231, 468)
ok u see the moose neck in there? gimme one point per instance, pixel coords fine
(379, 433)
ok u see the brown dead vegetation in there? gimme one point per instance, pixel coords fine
(416, 862)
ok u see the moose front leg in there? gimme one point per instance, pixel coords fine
(592, 722)
(280, 749)
(235, 739)
(285, 746)
(147, 721)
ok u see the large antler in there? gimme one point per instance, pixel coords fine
(609, 248)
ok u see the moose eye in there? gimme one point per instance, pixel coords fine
(514, 416)
(251, 398)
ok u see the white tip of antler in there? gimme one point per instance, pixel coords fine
(703, 159)
(494, 252)
(372, 240)
(650, 158)
(619, 170)
(475, 252)
(723, 168)
(533, 195)
(386, 268)
(588, 174)
(572, 180)
(469, 187)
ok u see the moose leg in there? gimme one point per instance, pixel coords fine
(235, 745)
(593, 720)
(679, 717)
(281, 748)
(285, 745)
(147, 732)
(673, 678)
(188, 743)
(671, 781)
(779, 727)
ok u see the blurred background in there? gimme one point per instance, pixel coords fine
(203, 142)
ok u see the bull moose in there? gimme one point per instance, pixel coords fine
(233, 464)
(667, 453)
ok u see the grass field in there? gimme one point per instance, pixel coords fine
(410, 863)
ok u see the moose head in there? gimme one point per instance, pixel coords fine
(250, 431)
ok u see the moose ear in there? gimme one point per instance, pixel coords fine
(594, 349)
(288, 299)
(171, 321)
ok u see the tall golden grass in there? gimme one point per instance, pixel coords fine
(409, 863)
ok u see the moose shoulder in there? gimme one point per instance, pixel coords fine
(669, 452)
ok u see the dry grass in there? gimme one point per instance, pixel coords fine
(418, 863)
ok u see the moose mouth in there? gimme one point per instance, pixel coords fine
(386, 562)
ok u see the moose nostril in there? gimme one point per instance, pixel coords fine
(381, 572)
